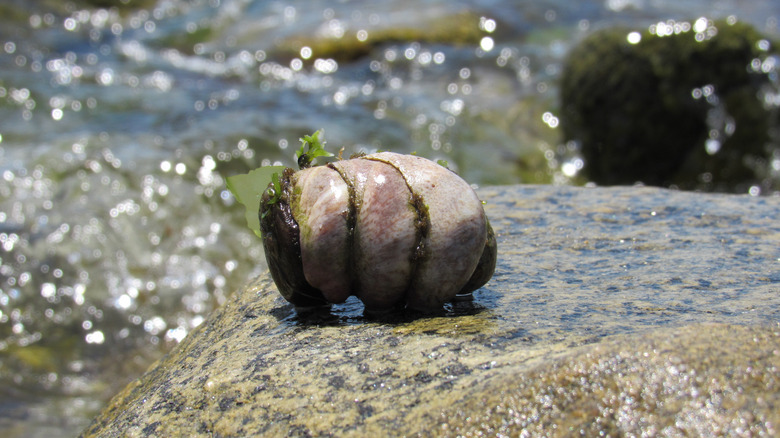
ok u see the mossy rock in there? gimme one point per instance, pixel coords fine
(457, 29)
(632, 108)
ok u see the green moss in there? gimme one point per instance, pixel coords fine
(632, 108)
(37, 359)
(44, 357)
(457, 29)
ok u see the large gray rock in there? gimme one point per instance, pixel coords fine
(615, 310)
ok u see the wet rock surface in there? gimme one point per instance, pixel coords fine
(612, 310)
(700, 380)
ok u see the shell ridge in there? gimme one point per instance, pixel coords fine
(457, 230)
(353, 206)
(320, 205)
(422, 223)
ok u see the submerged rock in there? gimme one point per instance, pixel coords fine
(687, 108)
(612, 310)
(459, 29)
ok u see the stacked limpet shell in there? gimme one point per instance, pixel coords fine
(394, 230)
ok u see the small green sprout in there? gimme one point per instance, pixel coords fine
(443, 163)
(316, 148)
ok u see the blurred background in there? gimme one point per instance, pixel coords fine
(119, 121)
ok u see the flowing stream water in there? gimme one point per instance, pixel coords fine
(119, 126)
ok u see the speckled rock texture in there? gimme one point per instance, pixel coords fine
(622, 311)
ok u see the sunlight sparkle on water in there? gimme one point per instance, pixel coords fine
(487, 44)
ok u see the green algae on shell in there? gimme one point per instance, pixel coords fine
(391, 229)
